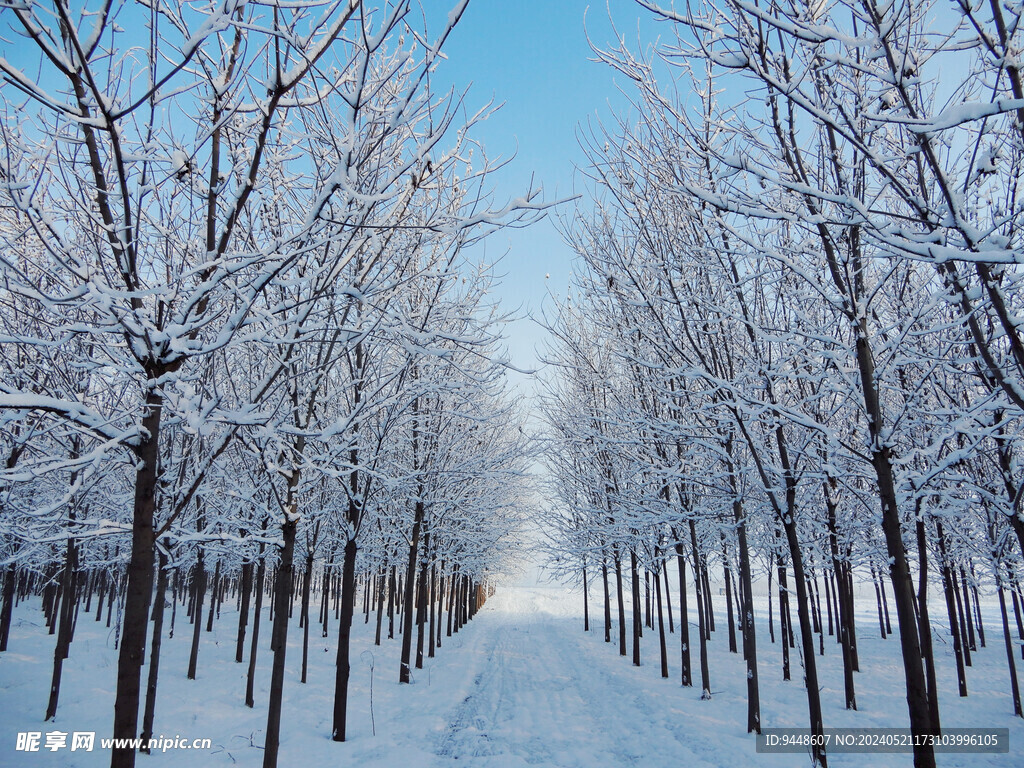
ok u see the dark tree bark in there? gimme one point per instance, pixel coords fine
(885, 604)
(586, 599)
(977, 609)
(279, 632)
(972, 642)
(433, 610)
(243, 611)
(405, 670)
(607, 601)
(709, 607)
(1017, 617)
(661, 623)
(622, 605)
(257, 613)
(382, 583)
(806, 635)
(325, 607)
(878, 603)
(391, 605)
(924, 620)
(747, 627)
(199, 579)
(140, 578)
(784, 616)
(422, 600)
(1008, 640)
(705, 673)
(343, 667)
(307, 578)
(174, 602)
(60, 651)
(728, 597)
(7, 612)
(965, 641)
(828, 603)
(440, 601)
(154, 652)
(634, 578)
(954, 627)
(648, 620)
(214, 592)
(684, 619)
(668, 597)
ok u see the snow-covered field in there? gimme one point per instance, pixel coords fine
(520, 685)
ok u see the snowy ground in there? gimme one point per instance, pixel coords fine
(520, 685)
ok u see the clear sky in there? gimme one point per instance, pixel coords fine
(533, 55)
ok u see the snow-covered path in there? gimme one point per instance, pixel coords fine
(538, 697)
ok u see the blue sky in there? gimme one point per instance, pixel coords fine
(533, 56)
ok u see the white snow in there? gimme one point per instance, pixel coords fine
(520, 685)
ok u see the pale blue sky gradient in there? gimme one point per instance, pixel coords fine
(533, 55)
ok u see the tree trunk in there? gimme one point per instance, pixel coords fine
(382, 583)
(391, 606)
(154, 653)
(878, 603)
(140, 581)
(343, 665)
(1017, 616)
(885, 604)
(921, 725)
(60, 651)
(705, 673)
(648, 618)
(586, 599)
(422, 599)
(806, 634)
(307, 579)
(433, 610)
(214, 593)
(954, 627)
(709, 608)
(243, 611)
(250, 679)
(1008, 640)
(661, 623)
(924, 621)
(103, 579)
(326, 608)
(977, 609)
(965, 642)
(747, 627)
(668, 597)
(197, 624)
(622, 606)
(784, 617)
(8, 608)
(728, 597)
(972, 642)
(634, 576)
(279, 632)
(826, 580)
(607, 601)
(405, 671)
(684, 619)
(440, 601)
